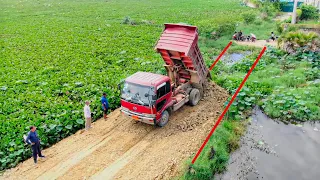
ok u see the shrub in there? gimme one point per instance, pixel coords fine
(269, 10)
(264, 16)
(128, 20)
(299, 13)
(292, 41)
(216, 29)
(258, 22)
(227, 28)
(288, 20)
(248, 17)
(309, 12)
(292, 28)
(280, 28)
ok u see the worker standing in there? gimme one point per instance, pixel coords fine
(273, 36)
(253, 37)
(105, 105)
(87, 115)
(34, 140)
(240, 35)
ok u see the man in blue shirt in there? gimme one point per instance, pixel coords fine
(34, 140)
(105, 105)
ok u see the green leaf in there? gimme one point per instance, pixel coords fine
(3, 161)
(242, 94)
(80, 121)
(59, 128)
(68, 127)
(52, 126)
(12, 143)
(3, 88)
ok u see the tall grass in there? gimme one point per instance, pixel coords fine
(215, 155)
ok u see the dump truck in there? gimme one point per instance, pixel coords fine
(151, 98)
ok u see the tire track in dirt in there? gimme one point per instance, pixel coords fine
(119, 148)
(62, 150)
(111, 170)
(121, 142)
(62, 168)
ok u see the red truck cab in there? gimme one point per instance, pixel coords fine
(149, 97)
(145, 96)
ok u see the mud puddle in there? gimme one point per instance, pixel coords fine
(230, 59)
(275, 150)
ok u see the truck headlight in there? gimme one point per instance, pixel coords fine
(149, 115)
(124, 109)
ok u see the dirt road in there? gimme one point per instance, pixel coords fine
(257, 43)
(120, 148)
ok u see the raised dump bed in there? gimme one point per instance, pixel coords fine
(178, 46)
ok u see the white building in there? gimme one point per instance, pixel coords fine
(315, 3)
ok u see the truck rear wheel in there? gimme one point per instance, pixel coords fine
(194, 97)
(164, 118)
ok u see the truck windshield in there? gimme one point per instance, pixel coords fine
(137, 94)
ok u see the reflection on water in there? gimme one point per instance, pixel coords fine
(273, 150)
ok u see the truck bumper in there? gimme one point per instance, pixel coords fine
(138, 117)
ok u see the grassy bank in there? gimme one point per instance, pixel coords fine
(215, 155)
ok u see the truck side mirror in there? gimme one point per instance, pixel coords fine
(120, 85)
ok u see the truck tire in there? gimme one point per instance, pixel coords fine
(164, 118)
(199, 87)
(194, 97)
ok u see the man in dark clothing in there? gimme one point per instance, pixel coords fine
(240, 35)
(34, 140)
(273, 37)
(105, 105)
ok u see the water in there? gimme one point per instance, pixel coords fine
(274, 150)
(230, 59)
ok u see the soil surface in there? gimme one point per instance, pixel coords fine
(284, 16)
(250, 4)
(257, 43)
(120, 148)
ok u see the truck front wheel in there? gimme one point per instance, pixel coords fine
(164, 118)
(194, 97)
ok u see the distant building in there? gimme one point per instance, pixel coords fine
(315, 3)
(288, 5)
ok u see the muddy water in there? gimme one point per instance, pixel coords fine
(230, 59)
(274, 150)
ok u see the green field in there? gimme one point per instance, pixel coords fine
(57, 54)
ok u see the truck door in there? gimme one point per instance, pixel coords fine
(163, 95)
